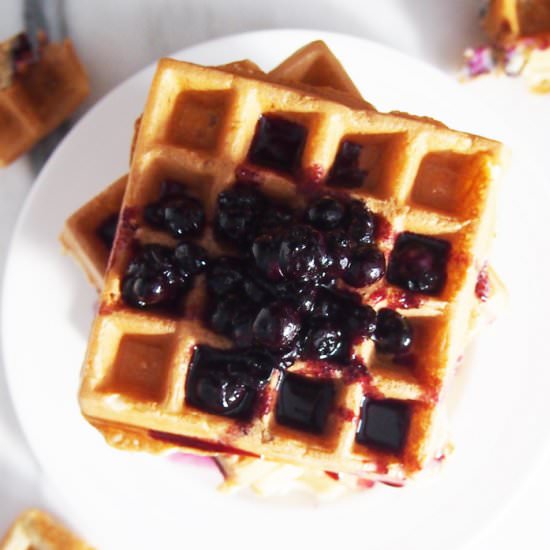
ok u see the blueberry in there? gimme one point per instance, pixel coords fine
(225, 276)
(367, 265)
(275, 218)
(328, 305)
(302, 297)
(256, 289)
(146, 291)
(242, 325)
(276, 326)
(339, 247)
(325, 341)
(184, 217)
(191, 258)
(226, 382)
(419, 263)
(152, 278)
(154, 214)
(107, 229)
(361, 320)
(181, 216)
(265, 251)
(257, 363)
(302, 254)
(238, 213)
(221, 319)
(393, 333)
(222, 393)
(361, 223)
(326, 213)
(242, 196)
(21, 52)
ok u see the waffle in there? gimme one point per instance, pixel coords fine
(80, 238)
(203, 138)
(35, 530)
(36, 97)
(311, 64)
(519, 34)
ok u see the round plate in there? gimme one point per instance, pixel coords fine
(125, 500)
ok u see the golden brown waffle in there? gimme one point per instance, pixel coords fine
(38, 98)
(406, 160)
(315, 68)
(80, 238)
(35, 530)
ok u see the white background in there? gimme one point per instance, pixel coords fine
(117, 38)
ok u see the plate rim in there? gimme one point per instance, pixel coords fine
(42, 178)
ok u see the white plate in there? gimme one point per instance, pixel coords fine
(122, 500)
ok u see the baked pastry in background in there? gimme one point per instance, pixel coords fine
(36, 530)
(38, 91)
(519, 42)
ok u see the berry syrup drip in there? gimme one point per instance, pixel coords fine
(176, 213)
(214, 447)
(483, 286)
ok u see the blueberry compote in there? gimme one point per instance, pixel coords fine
(176, 212)
(304, 404)
(226, 382)
(345, 171)
(158, 276)
(383, 424)
(281, 293)
(277, 144)
(419, 263)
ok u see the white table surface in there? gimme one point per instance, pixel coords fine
(114, 39)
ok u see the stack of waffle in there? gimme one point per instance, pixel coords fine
(295, 136)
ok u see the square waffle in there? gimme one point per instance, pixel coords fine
(519, 35)
(89, 232)
(35, 530)
(204, 127)
(36, 96)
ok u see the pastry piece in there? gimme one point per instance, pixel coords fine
(161, 372)
(36, 94)
(35, 530)
(519, 40)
